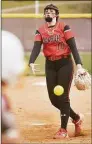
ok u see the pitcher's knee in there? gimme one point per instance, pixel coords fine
(64, 98)
(55, 104)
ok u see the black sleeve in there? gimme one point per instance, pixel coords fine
(35, 51)
(67, 27)
(72, 44)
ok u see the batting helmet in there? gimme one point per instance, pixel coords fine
(12, 56)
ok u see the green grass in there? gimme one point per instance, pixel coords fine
(13, 4)
(40, 60)
(85, 56)
(74, 8)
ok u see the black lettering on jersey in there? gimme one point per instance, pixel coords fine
(53, 38)
(57, 38)
(45, 40)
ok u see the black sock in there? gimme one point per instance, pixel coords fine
(65, 112)
(73, 115)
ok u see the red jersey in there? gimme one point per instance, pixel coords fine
(54, 39)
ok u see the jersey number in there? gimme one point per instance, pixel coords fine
(60, 46)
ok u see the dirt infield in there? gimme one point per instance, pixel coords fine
(38, 120)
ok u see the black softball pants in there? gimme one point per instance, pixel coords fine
(60, 72)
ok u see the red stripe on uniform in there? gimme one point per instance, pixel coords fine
(38, 37)
(68, 34)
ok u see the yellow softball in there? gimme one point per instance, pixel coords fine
(58, 90)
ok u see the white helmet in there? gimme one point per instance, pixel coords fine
(12, 56)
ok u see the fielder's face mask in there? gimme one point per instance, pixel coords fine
(50, 12)
(49, 15)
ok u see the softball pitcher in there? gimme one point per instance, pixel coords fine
(12, 66)
(58, 45)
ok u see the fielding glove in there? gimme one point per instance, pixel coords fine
(82, 78)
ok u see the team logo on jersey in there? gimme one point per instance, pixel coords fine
(52, 38)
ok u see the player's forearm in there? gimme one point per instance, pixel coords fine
(35, 51)
(72, 44)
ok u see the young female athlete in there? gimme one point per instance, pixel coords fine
(58, 45)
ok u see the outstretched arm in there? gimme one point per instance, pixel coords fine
(35, 51)
(36, 48)
(82, 77)
(72, 44)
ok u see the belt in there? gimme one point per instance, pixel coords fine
(53, 58)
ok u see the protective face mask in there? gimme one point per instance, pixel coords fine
(48, 19)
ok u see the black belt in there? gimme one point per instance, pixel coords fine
(53, 58)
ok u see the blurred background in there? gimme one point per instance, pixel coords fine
(29, 6)
(23, 18)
